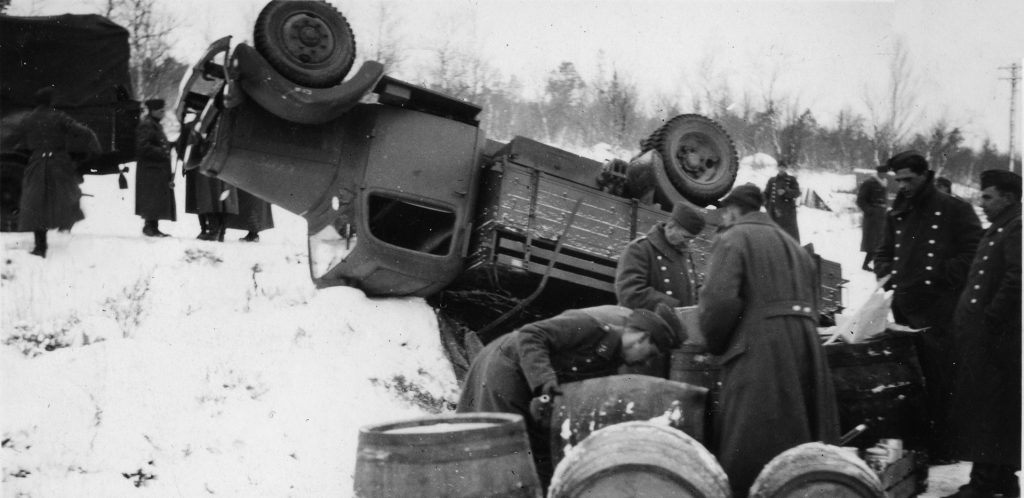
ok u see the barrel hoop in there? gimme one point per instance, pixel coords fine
(647, 468)
(791, 485)
(442, 454)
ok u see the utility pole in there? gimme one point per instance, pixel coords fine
(1014, 78)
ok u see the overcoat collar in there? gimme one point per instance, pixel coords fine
(609, 345)
(657, 237)
(1011, 212)
(755, 218)
(918, 198)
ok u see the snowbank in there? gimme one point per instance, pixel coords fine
(174, 367)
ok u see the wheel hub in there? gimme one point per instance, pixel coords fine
(307, 38)
(697, 157)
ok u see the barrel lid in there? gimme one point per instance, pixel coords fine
(442, 428)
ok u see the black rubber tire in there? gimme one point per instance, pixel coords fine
(708, 175)
(307, 41)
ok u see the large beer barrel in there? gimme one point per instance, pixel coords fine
(586, 406)
(816, 469)
(879, 383)
(693, 365)
(639, 459)
(462, 455)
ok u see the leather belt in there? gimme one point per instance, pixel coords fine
(784, 308)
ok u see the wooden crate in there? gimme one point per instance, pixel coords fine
(900, 478)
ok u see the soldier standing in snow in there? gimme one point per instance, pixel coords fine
(758, 311)
(575, 345)
(50, 192)
(658, 267)
(871, 199)
(154, 180)
(987, 338)
(929, 242)
(782, 191)
(254, 216)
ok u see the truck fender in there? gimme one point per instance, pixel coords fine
(296, 103)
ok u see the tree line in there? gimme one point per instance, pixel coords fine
(574, 111)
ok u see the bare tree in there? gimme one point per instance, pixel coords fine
(447, 71)
(893, 111)
(388, 46)
(615, 99)
(4, 5)
(149, 35)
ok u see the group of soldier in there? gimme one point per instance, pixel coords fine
(50, 186)
(757, 308)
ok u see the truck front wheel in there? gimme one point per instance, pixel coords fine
(308, 42)
(698, 156)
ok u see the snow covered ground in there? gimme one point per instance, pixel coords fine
(176, 367)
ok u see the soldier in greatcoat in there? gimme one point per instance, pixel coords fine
(782, 193)
(254, 216)
(210, 199)
(575, 345)
(872, 201)
(986, 413)
(154, 179)
(658, 267)
(758, 311)
(49, 193)
(929, 242)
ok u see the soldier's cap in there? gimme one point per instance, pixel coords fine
(155, 104)
(663, 335)
(1005, 181)
(687, 217)
(911, 159)
(746, 195)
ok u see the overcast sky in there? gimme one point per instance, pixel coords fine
(826, 54)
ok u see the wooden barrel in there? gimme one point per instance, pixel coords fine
(639, 459)
(816, 469)
(879, 383)
(462, 455)
(589, 405)
(692, 364)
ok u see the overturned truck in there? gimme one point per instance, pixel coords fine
(404, 193)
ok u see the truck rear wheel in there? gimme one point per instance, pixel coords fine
(308, 42)
(698, 156)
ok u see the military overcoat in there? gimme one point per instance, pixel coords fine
(50, 194)
(254, 214)
(986, 410)
(929, 243)
(781, 194)
(154, 195)
(652, 271)
(758, 312)
(572, 346)
(871, 199)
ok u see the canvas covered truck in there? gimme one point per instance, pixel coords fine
(404, 193)
(86, 59)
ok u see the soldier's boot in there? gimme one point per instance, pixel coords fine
(152, 229)
(252, 236)
(215, 227)
(40, 248)
(204, 226)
